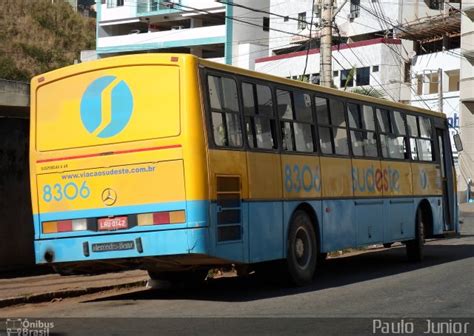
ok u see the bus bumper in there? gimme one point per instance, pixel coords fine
(122, 245)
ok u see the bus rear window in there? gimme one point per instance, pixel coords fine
(108, 106)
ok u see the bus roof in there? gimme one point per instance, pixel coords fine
(166, 58)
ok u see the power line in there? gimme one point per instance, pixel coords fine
(242, 21)
(286, 17)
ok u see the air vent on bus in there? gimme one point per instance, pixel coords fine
(229, 221)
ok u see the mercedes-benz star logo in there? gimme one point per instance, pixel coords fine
(109, 196)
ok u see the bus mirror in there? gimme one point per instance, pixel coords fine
(457, 142)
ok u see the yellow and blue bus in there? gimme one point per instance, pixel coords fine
(175, 164)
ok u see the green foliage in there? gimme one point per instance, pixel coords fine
(38, 36)
(368, 91)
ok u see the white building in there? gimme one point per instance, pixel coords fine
(396, 48)
(370, 61)
(205, 28)
(466, 157)
(435, 62)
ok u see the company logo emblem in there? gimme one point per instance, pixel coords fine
(106, 106)
(109, 196)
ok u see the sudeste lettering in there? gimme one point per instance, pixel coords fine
(375, 179)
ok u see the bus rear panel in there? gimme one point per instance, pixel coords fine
(108, 168)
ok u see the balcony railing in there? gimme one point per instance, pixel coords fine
(156, 6)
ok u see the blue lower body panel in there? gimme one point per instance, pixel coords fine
(263, 231)
(156, 243)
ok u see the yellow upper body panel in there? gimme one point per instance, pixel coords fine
(94, 122)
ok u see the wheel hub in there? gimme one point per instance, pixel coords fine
(299, 248)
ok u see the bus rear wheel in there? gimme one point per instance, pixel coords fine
(415, 247)
(302, 249)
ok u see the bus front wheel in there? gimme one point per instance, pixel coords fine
(302, 249)
(415, 247)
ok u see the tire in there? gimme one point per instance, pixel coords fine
(415, 247)
(387, 245)
(302, 251)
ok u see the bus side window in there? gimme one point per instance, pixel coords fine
(331, 126)
(362, 130)
(259, 117)
(225, 114)
(296, 120)
(421, 142)
(324, 129)
(285, 112)
(303, 126)
(392, 134)
(413, 134)
(339, 130)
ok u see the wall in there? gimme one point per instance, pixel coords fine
(16, 225)
(249, 42)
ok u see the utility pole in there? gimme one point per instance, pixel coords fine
(440, 90)
(326, 43)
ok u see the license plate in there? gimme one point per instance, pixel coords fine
(111, 224)
(116, 246)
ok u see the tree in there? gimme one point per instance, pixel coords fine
(368, 91)
(39, 36)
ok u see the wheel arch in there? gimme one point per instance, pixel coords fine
(427, 214)
(309, 209)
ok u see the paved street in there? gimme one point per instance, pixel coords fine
(378, 283)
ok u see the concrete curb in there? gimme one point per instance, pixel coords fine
(45, 297)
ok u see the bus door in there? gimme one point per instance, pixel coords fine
(444, 153)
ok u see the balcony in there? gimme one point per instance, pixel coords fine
(153, 7)
(161, 40)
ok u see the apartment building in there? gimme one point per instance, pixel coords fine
(206, 28)
(405, 50)
(466, 158)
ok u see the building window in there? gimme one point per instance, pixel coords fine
(335, 73)
(347, 78)
(363, 76)
(316, 78)
(453, 84)
(355, 9)
(419, 85)
(115, 3)
(434, 82)
(302, 21)
(407, 72)
(375, 68)
(266, 24)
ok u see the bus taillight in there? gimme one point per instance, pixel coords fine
(160, 218)
(65, 226)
